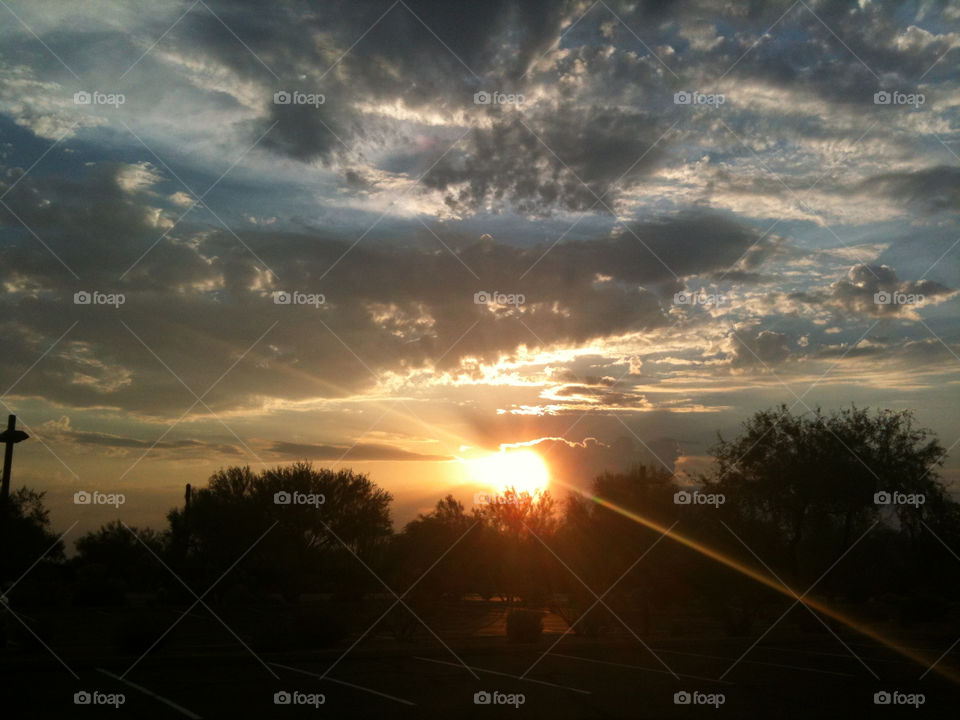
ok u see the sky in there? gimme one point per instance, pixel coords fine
(399, 236)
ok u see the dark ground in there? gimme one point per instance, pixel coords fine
(787, 675)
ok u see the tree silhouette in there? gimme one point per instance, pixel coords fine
(811, 479)
(428, 543)
(600, 544)
(307, 545)
(25, 534)
(521, 529)
(310, 547)
(112, 560)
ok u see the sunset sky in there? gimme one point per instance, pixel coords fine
(198, 158)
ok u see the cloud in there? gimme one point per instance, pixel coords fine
(755, 348)
(356, 54)
(876, 290)
(388, 308)
(62, 431)
(325, 199)
(358, 452)
(575, 158)
(932, 189)
(575, 464)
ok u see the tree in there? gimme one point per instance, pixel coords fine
(25, 533)
(521, 530)
(308, 542)
(600, 538)
(501, 552)
(430, 542)
(25, 537)
(122, 556)
(803, 486)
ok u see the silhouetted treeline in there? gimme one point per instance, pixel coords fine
(790, 497)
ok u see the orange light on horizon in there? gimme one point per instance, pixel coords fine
(522, 470)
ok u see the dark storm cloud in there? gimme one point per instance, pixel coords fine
(311, 132)
(876, 290)
(355, 180)
(396, 309)
(841, 51)
(596, 396)
(421, 52)
(932, 189)
(93, 225)
(497, 37)
(649, 252)
(608, 98)
(200, 299)
(573, 157)
(757, 348)
(401, 60)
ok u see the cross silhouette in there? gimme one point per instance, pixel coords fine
(9, 437)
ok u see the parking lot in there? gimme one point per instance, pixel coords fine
(576, 679)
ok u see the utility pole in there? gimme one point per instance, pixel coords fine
(10, 437)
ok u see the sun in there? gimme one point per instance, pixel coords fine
(523, 470)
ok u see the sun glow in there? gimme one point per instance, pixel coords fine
(523, 470)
